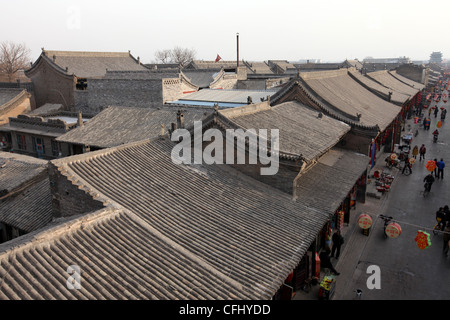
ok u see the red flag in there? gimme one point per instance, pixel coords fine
(218, 58)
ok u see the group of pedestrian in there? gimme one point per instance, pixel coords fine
(443, 218)
(325, 257)
(439, 169)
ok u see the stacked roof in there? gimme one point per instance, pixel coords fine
(218, 230)
(340, 90)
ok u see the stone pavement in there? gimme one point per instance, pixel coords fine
(404, 267)
(407, 272)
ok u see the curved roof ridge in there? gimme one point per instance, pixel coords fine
(323, 74)
(50, 53)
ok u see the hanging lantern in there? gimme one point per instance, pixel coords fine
(364, 221)
(423, 240)
(431, 165)
(393, 230)
(442, 108)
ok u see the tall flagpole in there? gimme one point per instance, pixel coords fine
(237, 40)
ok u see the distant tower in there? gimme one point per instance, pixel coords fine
(436, 57)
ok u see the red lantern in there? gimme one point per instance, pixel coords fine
(364, 221)
(393, 230)
(431, 165)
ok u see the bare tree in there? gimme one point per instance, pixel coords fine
(182, 56)
(163, 56)
(13, 57)
(178, 55)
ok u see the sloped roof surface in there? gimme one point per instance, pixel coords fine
(31, 209)
(195, 231)
(326, 185)
(6, 95)
(388, 80)
(119, 257)
(16, 169)
(301, 130)
(396, 96)
(93, 64)
(343, 92)
(235, 96)
(119, 125)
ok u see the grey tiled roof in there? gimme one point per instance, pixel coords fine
(29, 210)
(92, 64)
(397, 97)
(120, 256)
(16, 169)
(46, 108)
(6, 95)
(119, 125)
(301, 130)
(232, 95)
(326, 185)
(201, 78)
(388, 80)
(414, 84)
(347, 95)
(179, 232)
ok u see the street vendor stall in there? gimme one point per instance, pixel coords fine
(327, 286)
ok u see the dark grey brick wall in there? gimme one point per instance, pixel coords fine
(67, 198)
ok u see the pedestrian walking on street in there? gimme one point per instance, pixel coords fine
(441, 218)
(429, 180)
(338, 241)
(446, 239)
(325, 261)
(407, 166)
(436, 167)
(436, 110)
(440, 169)
(429, 112)
(447, 213)
(422, 152)
(426, 123)
(415, 151)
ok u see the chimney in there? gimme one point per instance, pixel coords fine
(180, 119)
(173, 128)
(80, 119)
(162, 130)
(139, 60)
(390, 96)
(54, 58)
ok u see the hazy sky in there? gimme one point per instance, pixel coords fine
(268, 30)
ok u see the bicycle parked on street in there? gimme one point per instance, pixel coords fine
(387, 220)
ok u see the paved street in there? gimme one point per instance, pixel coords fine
(407, 272)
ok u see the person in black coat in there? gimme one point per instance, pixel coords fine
(338, 241)
(325, 261)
